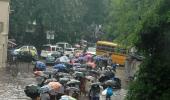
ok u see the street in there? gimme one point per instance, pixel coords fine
(14, 78)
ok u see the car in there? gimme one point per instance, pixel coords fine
(91, 50)
(50, 60)
(64, 45)
(50, 49)
(69, 51)
(26, 48)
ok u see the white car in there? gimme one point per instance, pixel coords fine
(50, 49)
(69, 51)
(91, 50)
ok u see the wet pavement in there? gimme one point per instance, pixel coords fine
(13, 80)
(15, 77)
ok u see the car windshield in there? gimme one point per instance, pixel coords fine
(46, 48)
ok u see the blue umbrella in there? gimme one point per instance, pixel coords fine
(59, 66)
(82, 59)
(40, 65)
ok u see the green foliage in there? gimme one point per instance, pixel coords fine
(152, 81)
(69, 19)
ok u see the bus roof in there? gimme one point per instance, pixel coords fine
(107, 43)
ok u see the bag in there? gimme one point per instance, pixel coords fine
(109, 92)
(104, 92)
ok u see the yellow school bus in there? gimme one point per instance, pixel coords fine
(118, 54)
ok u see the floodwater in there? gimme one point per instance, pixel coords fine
(13, 80)
(15, 77)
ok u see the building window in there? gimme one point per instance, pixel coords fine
(1, 27)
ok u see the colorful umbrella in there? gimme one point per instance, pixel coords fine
(54, 85)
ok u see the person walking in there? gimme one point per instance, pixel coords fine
(94, 93)
(109, 93)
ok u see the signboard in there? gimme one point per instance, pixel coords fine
(50, 35)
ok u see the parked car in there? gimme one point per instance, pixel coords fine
(50, 60)
(27, 49)
(50, 49)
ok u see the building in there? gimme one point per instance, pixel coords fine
(4, 26)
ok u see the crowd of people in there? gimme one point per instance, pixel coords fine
(71, 78)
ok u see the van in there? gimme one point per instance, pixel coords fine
(64, 45)
(69, 51)
(50, 49)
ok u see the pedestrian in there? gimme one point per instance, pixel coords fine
(109, 93)
(94, 93)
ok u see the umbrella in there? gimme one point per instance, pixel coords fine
(79, 74)
(110, 82)
(81, 58)
(94, 72)
(73, 81)
(98, 58)
(76, 64)
(54, 85)
(59, 66)
(84, 65)
(40, 64)
(40, 73)
(90, 77)
(72, 89)
(50, 80)
(103, 78)
(45, 89)
(64, 80)
(81, 69)
(88, 56)
(109, 74)
(64, 59)
(61, 75)
(91, 64)
(66, 97)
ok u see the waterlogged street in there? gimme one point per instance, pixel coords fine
(13, 80)
(15, 77)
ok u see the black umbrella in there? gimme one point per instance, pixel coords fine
(110, 82)
(73, 82)
(103, 78)
(94, 72)
(72, 89)
(64, 80)
(109, 74)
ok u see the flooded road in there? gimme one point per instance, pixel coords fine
(15, 77)
(13, 80)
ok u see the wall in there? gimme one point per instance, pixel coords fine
(4, 26)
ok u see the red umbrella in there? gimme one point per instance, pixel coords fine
(55, 85)
(38, 73)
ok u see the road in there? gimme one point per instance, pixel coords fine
(15, 78)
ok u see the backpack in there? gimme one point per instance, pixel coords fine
(109, 92)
